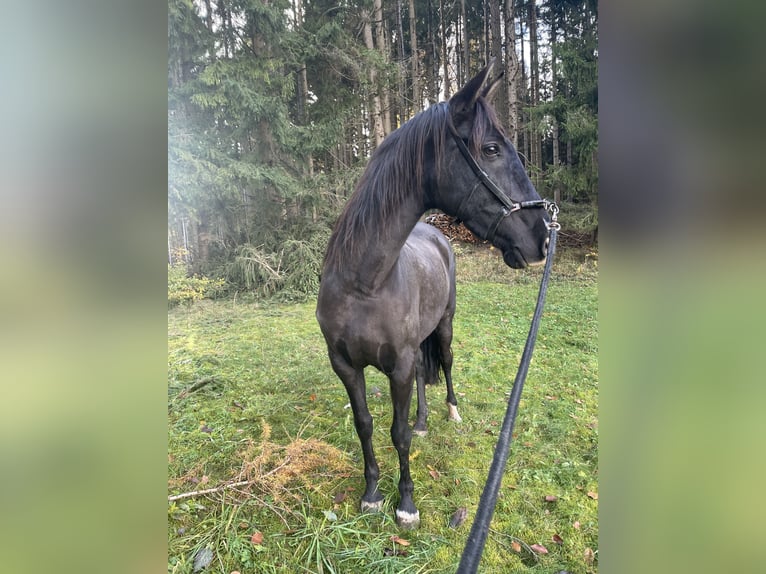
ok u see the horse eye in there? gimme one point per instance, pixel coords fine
(491, 149)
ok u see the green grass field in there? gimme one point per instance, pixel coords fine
(257, 418)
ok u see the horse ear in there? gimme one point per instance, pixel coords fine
(489, 90)
(463, 102)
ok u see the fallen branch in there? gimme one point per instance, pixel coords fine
(226, 485)
(221, 488)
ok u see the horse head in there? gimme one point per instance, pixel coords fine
(482, 181)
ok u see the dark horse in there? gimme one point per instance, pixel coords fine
(387, 295)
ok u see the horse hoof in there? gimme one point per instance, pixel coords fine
(407, 520)
(453, 414)
(420, 432)
(372, 506)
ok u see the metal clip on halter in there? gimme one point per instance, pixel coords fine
(554, 210)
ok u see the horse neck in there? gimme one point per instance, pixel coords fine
(369, 269)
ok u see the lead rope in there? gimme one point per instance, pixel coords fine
(474, 546)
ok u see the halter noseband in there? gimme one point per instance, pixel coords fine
(509, 205)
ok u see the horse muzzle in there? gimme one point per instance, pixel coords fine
(514, 259)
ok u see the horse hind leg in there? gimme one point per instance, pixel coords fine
(444, 336)
(353, 380)
(421, 428)
(454, 415)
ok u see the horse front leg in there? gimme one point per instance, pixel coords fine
(407, 516)
(353, 380)
(421, 428)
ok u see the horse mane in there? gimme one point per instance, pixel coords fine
(395, 171)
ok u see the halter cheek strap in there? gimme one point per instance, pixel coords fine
(463, 215)
(495, 224)
(509, 205)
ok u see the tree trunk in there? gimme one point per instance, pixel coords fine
(535, 148)
(522, 131)
(225, 35)
(400, 75)
(434, 67)
(466, 44)
(187, 252)
(229, 34)
(568, 95)
(416, 104)
(208, 15)
(303, 87)
(382, 86)
(511, 72)
(304, 96)
(445, 61)
(555, 121)
(376, 118)
(486, 48)
(497, 51)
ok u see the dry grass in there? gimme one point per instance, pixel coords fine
(281, 470)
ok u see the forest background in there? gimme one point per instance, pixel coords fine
(274, 107)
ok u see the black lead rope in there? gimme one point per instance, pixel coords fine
(474, 546)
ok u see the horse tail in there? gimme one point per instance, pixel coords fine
(430, 351)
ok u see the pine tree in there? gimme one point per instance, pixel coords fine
(275, 106)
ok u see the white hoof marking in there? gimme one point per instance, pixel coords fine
(453, 414)
(372, 506)
(407, 520)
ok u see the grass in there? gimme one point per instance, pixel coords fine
(252, 400)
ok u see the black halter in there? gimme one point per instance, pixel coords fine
(509, 205)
